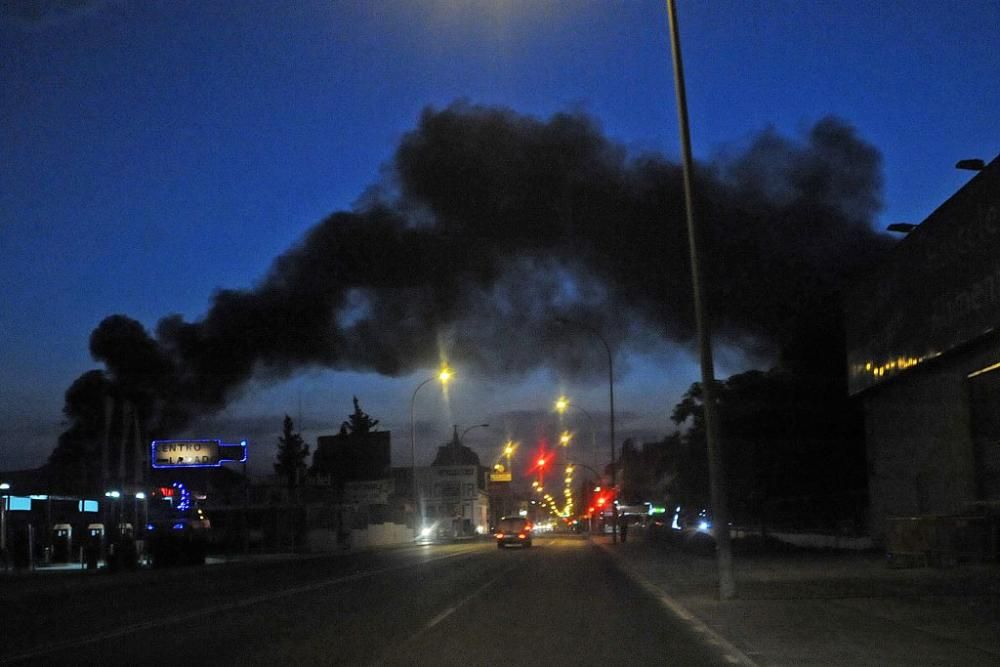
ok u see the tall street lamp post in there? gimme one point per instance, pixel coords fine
(472, 501)
(443, 375)
(611, 400)
(717, 488)
(4, 486)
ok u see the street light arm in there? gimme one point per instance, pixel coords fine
(462, 437)
(574, 464)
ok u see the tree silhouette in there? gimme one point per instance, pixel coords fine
(292, 453)
(359, 423)
(792, 443)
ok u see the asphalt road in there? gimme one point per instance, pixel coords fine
(560, 602)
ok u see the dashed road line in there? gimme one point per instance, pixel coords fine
(445, 614)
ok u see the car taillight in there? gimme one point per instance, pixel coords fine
(520, 536)
(499, 536)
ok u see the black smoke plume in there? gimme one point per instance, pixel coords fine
(491, 224)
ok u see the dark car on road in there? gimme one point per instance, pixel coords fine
(513, 530)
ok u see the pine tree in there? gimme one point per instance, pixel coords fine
(292, 453)
(359, 423)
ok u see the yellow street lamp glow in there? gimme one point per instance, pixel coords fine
(562, 403)
(445, 374)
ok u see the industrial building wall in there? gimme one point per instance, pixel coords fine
(919, 433)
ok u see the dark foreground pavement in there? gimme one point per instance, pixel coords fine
(826, 608)
(561, 602)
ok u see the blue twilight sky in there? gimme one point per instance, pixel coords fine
(152, 152)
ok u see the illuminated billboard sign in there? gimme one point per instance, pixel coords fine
(937, 289)
(196, 453)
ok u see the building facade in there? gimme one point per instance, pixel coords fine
(349, 457)
(453, 499)
(924, 357)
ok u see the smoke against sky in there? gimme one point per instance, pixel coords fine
(155, 152)
(491, 224)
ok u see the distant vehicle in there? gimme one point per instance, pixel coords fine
(178, 539)
(513, 530)
(429, 534)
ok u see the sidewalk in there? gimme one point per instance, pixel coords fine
(826, 608)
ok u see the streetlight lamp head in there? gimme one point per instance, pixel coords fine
(4, 486)
(445, 374)
(561, 404)
(974, 164)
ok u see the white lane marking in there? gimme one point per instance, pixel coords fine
(450, 610)
(208, 611)
(730, 653)
(444, 614)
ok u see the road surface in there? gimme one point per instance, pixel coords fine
(561, 602)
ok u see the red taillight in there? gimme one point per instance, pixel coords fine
(520, 536)
(499, 536)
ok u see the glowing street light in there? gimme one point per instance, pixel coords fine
(563, 404)
(611, 400)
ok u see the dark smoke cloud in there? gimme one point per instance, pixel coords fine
(38, 14)
(489, 225)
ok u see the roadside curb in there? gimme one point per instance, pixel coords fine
(713, 639)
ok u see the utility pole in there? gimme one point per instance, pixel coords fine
(716, 471)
